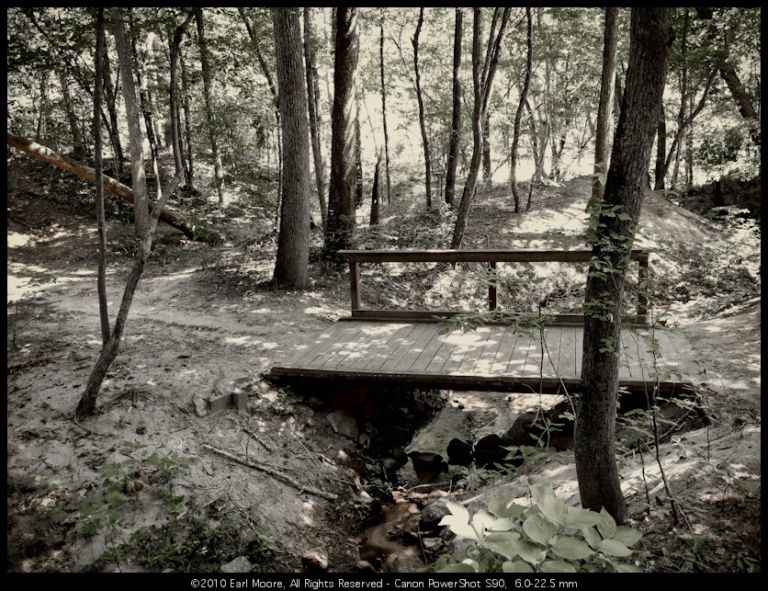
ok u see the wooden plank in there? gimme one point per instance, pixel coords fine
(393, 361)
(372, 345)
(354, 284)
(318, 346)
(400, 339)
(427, 355)
(448, 344)
(579, 352)
(516, 363)
(475, 256)
(467, 364)
(466, 343)
(417, 348)
(506, 350)
(332, 353)
(484, 362)
(533, 358)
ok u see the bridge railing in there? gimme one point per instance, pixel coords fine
(490, 257)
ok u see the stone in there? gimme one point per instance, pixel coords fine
(201, 406)
(431, 516)
(364, 566)
(314, 561)
(343, 424)
(431, 543)
(241, 564)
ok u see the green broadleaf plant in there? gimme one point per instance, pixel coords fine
(548, 536)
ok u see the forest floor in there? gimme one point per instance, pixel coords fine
(206, 321)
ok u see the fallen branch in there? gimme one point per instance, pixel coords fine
(272, 472)
(40, 152)
(263, 443)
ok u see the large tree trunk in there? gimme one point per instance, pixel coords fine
(208, 95)
(145, 225)
(453, 149)
(101, 281)
(78, 146)
(519, 113)
(384, 107)
(482, 82)
(358, 156)
(422, 122)
(190, 167)
(661, 150)
(314, 113)
(341, 199)
(607, 82)
(192, 230)
(595, 433)
(293, 240)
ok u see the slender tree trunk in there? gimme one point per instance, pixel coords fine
(741, 97)
(113, 128)
(101, 281)
(384, 107)
(145, 225)
(185, 88)
(376, 192)
(175, 48)
(292, 261)
(519, 113)
(74, 128)
(607, 83)
(358, 156)
(453, 150)
(482, 82)
(487, 172)
(595, 432)
(689, 151)
(143, 98)
(422, 122)
(341, 201)
(314, 120)
(208, 95)
(661, 150)
(41, 127)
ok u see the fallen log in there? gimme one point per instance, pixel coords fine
(193, 231)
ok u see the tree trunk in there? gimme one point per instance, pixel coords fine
(519, 113)
(376, 193)
(341, 199)
(595, 433)
(208, 95)
(40, 130)
(114, 129)
(292, 260)
(314, 114)
(661, 150)
(145, 226)
(78, 148)
(143, 98)
(453, 149)
(741, 97)
(101, 281)
(175, 48)
(422, 122)
(358, 157)
(384, 107)
(487, 172)
(607, 82)
(482, 82)
(190, 167)
(191, 229)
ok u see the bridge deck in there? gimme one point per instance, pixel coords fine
(493, 357)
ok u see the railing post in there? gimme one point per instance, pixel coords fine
(492, 298)
(642, 286)
(354, 284)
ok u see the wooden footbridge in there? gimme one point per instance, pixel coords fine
(421, 349)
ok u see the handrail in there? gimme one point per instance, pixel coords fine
(356, 257)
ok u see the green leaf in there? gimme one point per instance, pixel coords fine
(571, 548)
(627, 536)
(539, 529)
(628, 568)
(606, 525)
(581, 518)
(614, 548)
(458, 521)
(593, 538)
(497, 506)
(557, 566)
(518, 566)
(553, 509)
(507, 545)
